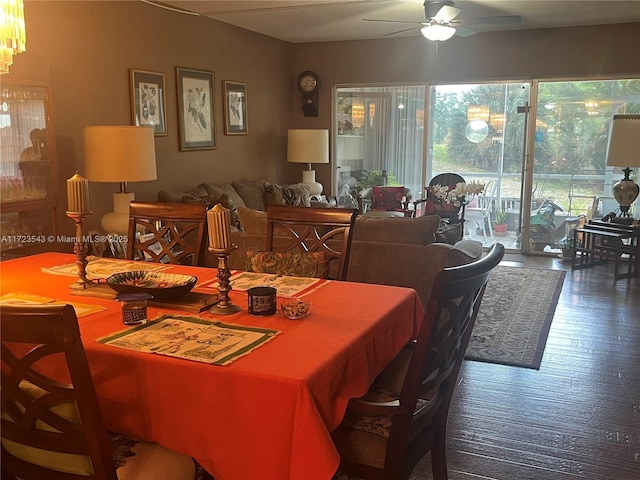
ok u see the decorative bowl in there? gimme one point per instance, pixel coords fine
(163, 286)
(295, 308)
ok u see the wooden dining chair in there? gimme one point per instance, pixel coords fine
(404, 414)
(167, 232)
(52, 427)
(302, 241)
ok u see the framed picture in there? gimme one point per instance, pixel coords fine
(235, 108)
(148, 100)
(195, 109)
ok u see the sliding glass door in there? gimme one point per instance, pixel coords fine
(538, 147)
(571, 181)
(379, 138)
(479, 132)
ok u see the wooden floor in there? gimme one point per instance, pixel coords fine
(576, 417)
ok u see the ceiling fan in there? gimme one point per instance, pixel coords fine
(440, 24)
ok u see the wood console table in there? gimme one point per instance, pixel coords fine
(598, 242)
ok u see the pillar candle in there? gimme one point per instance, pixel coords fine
(78, 194)
(219, 226)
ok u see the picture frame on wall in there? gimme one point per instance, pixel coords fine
(235, 108)
(148, 100)
(196, 109)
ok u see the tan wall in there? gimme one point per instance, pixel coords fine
(89, 47)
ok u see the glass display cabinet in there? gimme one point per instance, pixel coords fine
(27, 170)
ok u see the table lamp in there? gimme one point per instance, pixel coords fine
(624, 151)
(308, 146)
(119, 154)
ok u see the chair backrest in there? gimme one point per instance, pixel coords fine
(171, 232)
(487, 196)
(328, 230)
(435, 206)
(404, 415)
(55, 413)
(438, 353)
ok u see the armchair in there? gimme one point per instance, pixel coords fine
(450, 211)
(385, 201)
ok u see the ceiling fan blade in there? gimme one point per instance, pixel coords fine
(489, 20)
(446, 14)
(401, 31)
(159, 4)
(391, 21)
(464, 31)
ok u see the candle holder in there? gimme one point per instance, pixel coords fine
(80, 250)
(224, 305)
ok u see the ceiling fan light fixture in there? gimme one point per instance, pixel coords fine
(437, 32)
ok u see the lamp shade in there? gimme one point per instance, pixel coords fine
(308, 146)
(119, 154)
(624, 141)
(438, 32)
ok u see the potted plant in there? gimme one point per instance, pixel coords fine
(500, 223)
(567, 244)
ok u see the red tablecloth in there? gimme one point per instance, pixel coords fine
(267, 415)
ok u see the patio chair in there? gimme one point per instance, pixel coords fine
(52, 427)
(478, 212)
(404, 415)
(308, 242)
(167, 232)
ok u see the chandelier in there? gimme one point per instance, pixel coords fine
(13, 39)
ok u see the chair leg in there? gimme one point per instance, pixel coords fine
(490, 229)
(439, 456)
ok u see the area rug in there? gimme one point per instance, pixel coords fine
(515, 316)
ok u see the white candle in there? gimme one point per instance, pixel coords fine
(78, 194)
(219, 226)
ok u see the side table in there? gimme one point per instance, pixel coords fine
(598, 242)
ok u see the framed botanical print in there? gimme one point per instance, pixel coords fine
(235, 108)
(195, 109)
(148, 100)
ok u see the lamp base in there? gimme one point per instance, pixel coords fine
(118, 220)
(625, 192)
(309, 178)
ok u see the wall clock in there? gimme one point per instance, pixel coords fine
(308, 85)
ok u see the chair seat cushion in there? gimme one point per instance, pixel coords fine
(297, 264)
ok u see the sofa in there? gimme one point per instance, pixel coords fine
(398, 251)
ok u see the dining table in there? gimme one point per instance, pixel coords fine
(269, 413)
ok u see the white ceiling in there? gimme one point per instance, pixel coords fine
(302, 21)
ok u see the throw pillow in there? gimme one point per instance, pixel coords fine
(252, 193)
(225, 188)
(195, 194)
(296, 195)
(387, 198)
(297, 264)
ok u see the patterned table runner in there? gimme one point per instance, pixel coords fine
(192, 302)
(100, 268)
(192, 338)
(285, 285)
